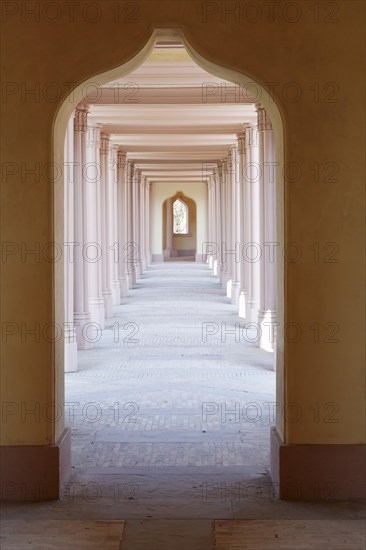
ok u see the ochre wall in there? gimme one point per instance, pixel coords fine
(323, 54)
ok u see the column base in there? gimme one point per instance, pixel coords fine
(157, 257)
(35, 473)
(229, 285)
(266, 321)
(71, 354)
(97, 312)
(108, 303)
(123, 285)
(252, 311)
(318, 472)
(202, 258)
(84, 333)
(216, 268)
(116, 292)
(235, 291)
(242, 304)
(224, 278)
(132, 278)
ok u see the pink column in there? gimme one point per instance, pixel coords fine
(94, 250)
(106, 251)
(112, 197)
(137, 220)
(235, 225)
(82, 315)
(225, 275)
(244, 198)
(252, 246)
(228, 246)
(169, 229)
(130, 245)
(122, 223)
(208, 251)
(147, 224)
(218, 221)
(70, 334)
(267, 309)
(142, 223)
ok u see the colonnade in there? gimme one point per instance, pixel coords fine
(242, 228)
(106, 230)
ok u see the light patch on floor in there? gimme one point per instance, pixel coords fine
(290, 534)
(60, 535)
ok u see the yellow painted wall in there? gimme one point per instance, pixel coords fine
(322, 52)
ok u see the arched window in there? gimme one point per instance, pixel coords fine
(180, 217)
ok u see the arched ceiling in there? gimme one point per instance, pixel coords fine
(170, 116)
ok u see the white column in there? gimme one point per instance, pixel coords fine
(122, 223)
(82, 317)
(70, 334)
(112, 195)
(235, 220)
(253, 248)
(94, 250)
(105, 203)
(267, 308)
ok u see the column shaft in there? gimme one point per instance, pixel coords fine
(70, 334)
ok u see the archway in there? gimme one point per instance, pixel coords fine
(234, 77)
(179, 228)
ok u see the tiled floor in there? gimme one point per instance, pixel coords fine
(166, 399)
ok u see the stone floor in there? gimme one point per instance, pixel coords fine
(159, 390)
(170, 416)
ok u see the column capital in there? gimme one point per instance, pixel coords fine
(113, 151)
(233, 152)
(121, 158)
(94, 131)
(242, 141)
(104, 143)
(264, 122)
(81, 118)
(252, 136)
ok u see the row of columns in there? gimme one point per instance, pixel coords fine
(106, 231)
(242, 226)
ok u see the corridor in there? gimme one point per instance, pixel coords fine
(172, 382)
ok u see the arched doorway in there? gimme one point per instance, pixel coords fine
(245, 83)
(179, 228)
